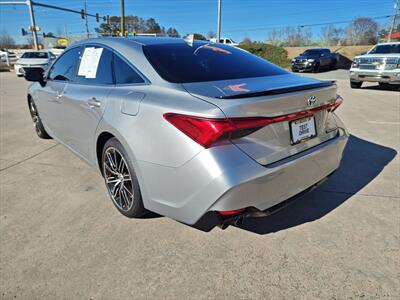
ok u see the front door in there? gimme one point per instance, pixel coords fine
(51, 96)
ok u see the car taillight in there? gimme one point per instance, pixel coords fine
(207, 131)
(336, 104)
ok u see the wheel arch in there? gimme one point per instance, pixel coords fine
(101, 141)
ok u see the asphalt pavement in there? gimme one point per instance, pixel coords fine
(62, 238)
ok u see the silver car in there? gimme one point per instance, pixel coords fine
(203, 133)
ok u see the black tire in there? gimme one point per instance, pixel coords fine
(355, 84)
(294, 70)
(39, 128)
(316, 68)
(130, 206)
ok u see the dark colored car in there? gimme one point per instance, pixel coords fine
(314, 60)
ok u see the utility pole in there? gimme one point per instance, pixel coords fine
(86, 20)
(396, 6)
(33, 25)
(122, 18)
(219, 21)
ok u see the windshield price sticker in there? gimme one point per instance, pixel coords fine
(90, 62)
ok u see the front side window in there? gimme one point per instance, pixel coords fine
(65, 67)
(124, 74)
(184, 63)
(102, 69)
(35, 55)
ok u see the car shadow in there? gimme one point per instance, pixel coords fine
(386, 87)
(362, 162)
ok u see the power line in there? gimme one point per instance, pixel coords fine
(304, 25)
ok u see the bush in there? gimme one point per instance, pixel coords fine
(276, 55)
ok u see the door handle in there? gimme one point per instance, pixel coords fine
(94, 103)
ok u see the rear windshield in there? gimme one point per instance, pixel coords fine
(184, 63)
(385, 49)
(35, 55)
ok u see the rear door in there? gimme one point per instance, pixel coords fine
(51, 96)
(85, 99)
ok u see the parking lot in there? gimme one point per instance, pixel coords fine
(62, 238)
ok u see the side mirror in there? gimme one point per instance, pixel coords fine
(35, 75)
(363, 53)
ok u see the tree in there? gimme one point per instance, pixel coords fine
(133, 24)
(211, 35)
(362, 31)
(172, 32)
(297, 36)
(246, 42)
(6, 40)
(275, 36)
(331, 35)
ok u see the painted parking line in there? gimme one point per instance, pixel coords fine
(384, 123)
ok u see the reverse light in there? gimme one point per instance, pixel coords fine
(207, 131)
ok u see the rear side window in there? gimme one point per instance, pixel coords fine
(65, 67)
(201, 61)
(125, 74)
(104, 72)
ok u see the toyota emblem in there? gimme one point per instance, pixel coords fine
(311, 101)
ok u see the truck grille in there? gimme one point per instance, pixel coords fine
(369, 67)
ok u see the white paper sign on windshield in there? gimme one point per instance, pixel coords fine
(90, 62)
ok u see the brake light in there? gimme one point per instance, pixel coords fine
(206, 131)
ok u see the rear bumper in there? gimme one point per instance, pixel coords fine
(375, 76)
(224, 178)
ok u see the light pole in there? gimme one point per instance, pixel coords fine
(122, 18)
(219, 21)
(396, 6)
(33, 24)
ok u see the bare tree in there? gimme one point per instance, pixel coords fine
(246, 41)
(362, 31)
(211, 35)
(297, 36)
(331, 35)
(275, 36)
(6, 40)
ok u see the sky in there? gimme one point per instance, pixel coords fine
(240, 18)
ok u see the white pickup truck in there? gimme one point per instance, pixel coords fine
(380, 64)
(226, 41)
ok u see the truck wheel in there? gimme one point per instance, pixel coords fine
(294, 70)
(355, 84)
(316, 68)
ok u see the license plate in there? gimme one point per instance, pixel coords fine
(302, 130)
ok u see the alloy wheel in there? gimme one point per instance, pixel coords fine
(118, 179)
(35, 117)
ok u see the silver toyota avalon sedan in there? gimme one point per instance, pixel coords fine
(204, 133)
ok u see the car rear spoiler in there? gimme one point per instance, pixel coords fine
(281, 90)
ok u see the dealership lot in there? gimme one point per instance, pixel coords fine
(61, 237)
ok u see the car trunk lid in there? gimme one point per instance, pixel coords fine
(271, 97)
